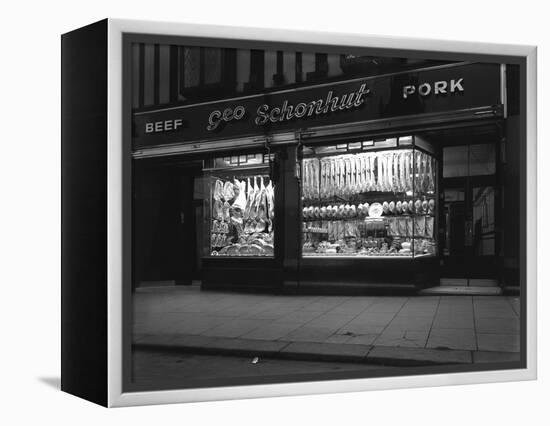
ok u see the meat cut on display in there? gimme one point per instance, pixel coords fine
(243, 215)
(369, 203)
(349, 174)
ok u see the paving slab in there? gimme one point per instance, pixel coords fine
(299, 317)
(234, 328)
(362, 339)
(498, 342)
(408, 322)
(493, 308)
(353, 306)
(498, 325)
(324, 304)
(197, 325)
(331, 320)
(452, 338)
(374, 318)
(453, 321)
(402, 338)
(310, 334)
(386, 307)
(272, 331)
(420, 308)
(338, 338)
(361, 327)
(272, 315)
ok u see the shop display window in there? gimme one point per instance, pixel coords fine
(240, 206)
(369, 199)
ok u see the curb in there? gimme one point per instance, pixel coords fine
(313, 351)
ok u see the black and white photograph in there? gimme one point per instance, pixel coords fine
(274, 213)
(303, 213)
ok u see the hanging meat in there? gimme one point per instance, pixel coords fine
(218, 190)
(359, 173)
(262, 209)
(225, 211)
(228, 192)
(336, 184)
(402, 185)
(316, 178)
(372, 172)
(396, 171)
(270, 198)
(431, 177)
(257, 198)
(332, 178)
(342, 177)
(346, 187)
(250, 212)
(240, 201)
(389, 171)
(217, 208)
(305, 180)
(323, 187)
(249, 199)
(407, 171)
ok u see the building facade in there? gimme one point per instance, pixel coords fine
(303, 170)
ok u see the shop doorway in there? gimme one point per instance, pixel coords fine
(166, 219)
(469, 231)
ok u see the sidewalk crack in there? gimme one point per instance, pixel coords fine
(432, 324)
(475, 325)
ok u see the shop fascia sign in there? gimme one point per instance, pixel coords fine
(265, 114)
(437, 88)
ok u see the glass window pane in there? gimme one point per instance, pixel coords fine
(455, 161)
(212, 65)
(482, 159)
(454, 195)
(454, 221)
(191, 66)
(362, 203)
(240, 206)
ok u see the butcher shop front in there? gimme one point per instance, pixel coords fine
(392, 181)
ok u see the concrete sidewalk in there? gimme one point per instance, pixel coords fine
(391, 330)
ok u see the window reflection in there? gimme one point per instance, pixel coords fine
(483, 203)
(469, 160)
(455, 161)
(482, 159)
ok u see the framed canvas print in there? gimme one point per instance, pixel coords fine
(255, 213)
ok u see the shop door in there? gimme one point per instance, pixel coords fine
(185, 268)
(468, 218)
(164, 217)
